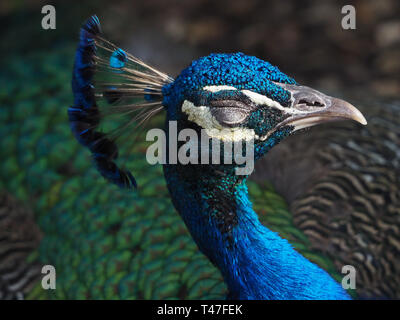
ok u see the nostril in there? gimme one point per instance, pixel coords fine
(311, 103)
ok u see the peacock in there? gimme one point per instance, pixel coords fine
(234, 98)
(111, 243)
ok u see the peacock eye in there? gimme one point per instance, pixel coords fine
(229, 113)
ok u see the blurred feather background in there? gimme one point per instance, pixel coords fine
(335, 196)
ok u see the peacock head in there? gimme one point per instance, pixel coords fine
(230, 98)
(234, 97)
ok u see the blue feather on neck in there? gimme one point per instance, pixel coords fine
(255, 262)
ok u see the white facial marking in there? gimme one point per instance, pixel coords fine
(218, 88)
(260, 99)
(202, 116)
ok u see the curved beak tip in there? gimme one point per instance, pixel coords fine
(346, 110)
(356, 115)
(363, 121)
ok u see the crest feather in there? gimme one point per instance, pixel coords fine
(109, 81)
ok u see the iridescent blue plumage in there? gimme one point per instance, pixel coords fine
(257, 263)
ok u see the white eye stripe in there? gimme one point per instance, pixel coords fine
(218, 88)
(256, 98)
(260, 99)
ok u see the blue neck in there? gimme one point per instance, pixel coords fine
(254, 261)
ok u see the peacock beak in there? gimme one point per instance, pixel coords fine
(311, 107)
